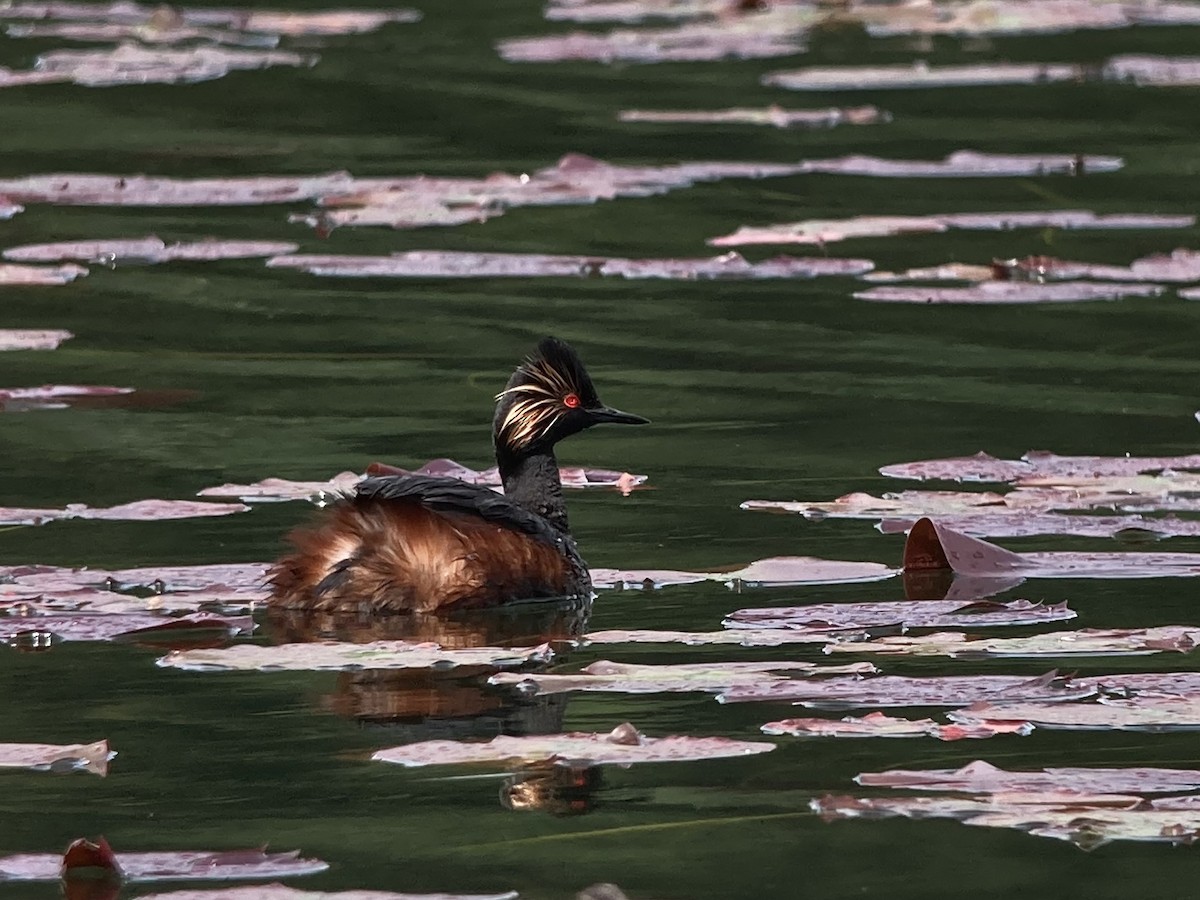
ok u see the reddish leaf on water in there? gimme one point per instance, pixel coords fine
(984, 467)
(623, 746)
(778, 570)
(147, 250)
(877, 724)
(628, 678)
(30, 339)
(282, 892)
(775, 116)
(166, 866)
(980, 777)
(1086, 642)
(92, 757)
(1007, 292)
(83, 854)
(11, 274)
(459, 264)
(911, 613)
(335, 656)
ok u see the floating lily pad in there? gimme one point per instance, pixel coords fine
(988, 292)
(828, 231)
(53, 396)
(11, 274)
(999, 523)
(137, 511)
(331, 655)
(778, 570)
(775, 116)
(146, 250)
(30, 339)
(92, 757)
(984, 467)
(101, 626)
(910, 613)
(1086, 642)
(282, 892)
(628, 678)
(1145, 711)
(143, 190)
(460, 264)
(623, 746)
(877, 724)
(980, 777)
(736, 637)
(141, 867)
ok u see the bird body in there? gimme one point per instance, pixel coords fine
(420, 543)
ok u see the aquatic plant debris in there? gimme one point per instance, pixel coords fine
(980, 777)
(877, 724)
(1144, 711)
(910, 613)
(1179, 266)
(462, 264)
(736, 637)
(777, 570)
(774, 116)
(137, 511)
(828, 231)
(933, 547)
(334, 656)
(630, 678)
(283, 892)
(1132, 69)
(109, 626)
(39, 275)
(625, 745)
(32, 339)
(92, 757)
(983, 467)
(147, 250)
(1000, 292)
(1086, 642)
(53, 396)
(227, 865)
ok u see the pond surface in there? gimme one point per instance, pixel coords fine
(787, 389)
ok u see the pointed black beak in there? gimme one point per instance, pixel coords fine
(606, 414)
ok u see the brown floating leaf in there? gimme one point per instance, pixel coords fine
(92, 758)
(1145, 711)
(1086, 642)
(911, 613)
(333, 655)
(137, 511)
(990, 292)
(931, 547)
(596, 749)
(628, 678)
(775, 116)
(107, 626)
(40, 275)
(984, 467)
(29, 339)
(827, 231)
(147, 250)
(778, 570)
(459, 264)
(282, 892)
(980, 777)
(877, 724)
(140, 867)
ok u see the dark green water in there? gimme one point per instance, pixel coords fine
(787, 390)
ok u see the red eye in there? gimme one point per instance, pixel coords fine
(571, 401)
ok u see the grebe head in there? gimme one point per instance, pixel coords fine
(549, 397)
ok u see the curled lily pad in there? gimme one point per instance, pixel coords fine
(92, 757)
(1145, 711)
(282, 892)
(459, 264)
(137, 511)
(628, 678)
(828, 231)
(980, 777)
(1086, 642)
(12, 274)
(146, 250)
(778, 570)
(911, 613)
(623, 746)
(775, 116)
(142, 867)
(984, 467)
(30, 339)
(991, 292)
(332, 655)
(877, 724)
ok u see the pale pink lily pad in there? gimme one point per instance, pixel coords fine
(282, 892)
(774, 116)
(336, 656)
(30, 339)
(12, 274)
(623, 746)
(1003, 522)
(910, 613)
(137, 511)
(828, 231)
(74, 189)
(984, 467)
(1007, 292)
(980, 777)
(53, 396)
(147, 250)
(99, 626)
(179, 866)
(1086, 642)
(1145, 711)
(932, 547)
(1179, 266)
(461, 264)
(629, 678)
(92, 757)
(778, 570)
(26, 601)
(877, 724)
(264, 21)
(735, 637)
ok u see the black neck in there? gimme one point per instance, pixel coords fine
(531, 481)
